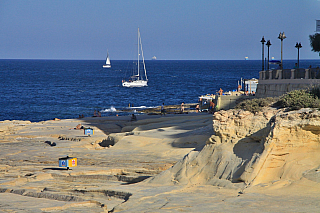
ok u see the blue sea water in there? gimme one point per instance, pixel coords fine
(39, 90)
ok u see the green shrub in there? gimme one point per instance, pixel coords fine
(293, 100)
(298, 99)
(315, 91)
(255, 105)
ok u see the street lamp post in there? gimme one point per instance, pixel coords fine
(262, 41)
(281, 37)
(298, 46)
(268, 44)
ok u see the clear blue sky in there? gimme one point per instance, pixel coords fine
(170, 29)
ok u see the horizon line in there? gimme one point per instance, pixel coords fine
(51, 59)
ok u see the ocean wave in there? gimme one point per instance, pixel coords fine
(142, 107)
(111, 109)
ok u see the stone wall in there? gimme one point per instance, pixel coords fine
(275, 87)
(274, 83)
(225, 102)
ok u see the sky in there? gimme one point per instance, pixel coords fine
(170, 29)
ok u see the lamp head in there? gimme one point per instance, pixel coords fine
(298, 45)
(282, 36)
(279, 37)
(268, 43)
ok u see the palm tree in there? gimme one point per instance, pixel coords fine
(315, 42)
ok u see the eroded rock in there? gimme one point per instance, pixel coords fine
(251, 149)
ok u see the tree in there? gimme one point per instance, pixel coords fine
(315, 42)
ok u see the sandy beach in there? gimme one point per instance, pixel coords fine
(172, 163)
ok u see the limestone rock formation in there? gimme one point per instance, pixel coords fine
(250, 149)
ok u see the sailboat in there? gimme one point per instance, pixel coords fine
(137, 80)
(108, 64)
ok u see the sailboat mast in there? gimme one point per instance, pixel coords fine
(144, 65)
(138, 53)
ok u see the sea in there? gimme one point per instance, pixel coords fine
(39, 90)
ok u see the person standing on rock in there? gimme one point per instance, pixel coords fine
(182, 107)
(211, 107)
(197, 108)
(133, 117)
(163, 111)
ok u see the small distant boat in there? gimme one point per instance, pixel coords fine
(137, 80)
(274, 62)
(108, 64)
(154, 58)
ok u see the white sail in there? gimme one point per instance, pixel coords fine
(108, 63)
(137, 80)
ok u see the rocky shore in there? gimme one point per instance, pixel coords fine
(231, 161)
(170, 109)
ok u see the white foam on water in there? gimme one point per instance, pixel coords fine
(142, 107)
(111, 109)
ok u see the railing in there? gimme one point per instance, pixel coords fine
(311, 73)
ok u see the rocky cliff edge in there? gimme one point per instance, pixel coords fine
(253, 149)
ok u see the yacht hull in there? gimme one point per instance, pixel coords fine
(137, 83)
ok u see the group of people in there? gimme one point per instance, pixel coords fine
(78, 127)
(96, 114)
(296, 66)
(163, 110)
(252, 93)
